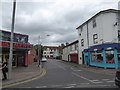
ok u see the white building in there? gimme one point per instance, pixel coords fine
(99, 32)
(50, 51)
(70, 52)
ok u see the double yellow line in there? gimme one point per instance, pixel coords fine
(43, 73)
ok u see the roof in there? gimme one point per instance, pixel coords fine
(101, 12)
(14, 33)
(71, 43)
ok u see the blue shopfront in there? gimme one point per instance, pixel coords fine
(105, 55)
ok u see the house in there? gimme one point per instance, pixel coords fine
(70, 52)
(99, 40)
(50, 51)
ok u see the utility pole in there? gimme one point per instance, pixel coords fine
(11, 42)
(39, 51)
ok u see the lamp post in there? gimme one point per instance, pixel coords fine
(11, 42)
(39, 50)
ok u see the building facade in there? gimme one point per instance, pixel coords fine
(99, 40)
(70, 52)
(20, 48)
(50, 51)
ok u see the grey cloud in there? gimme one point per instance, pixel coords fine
(57, 20)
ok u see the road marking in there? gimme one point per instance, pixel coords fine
(110, 81)
(96, 81)
(69, 87)
(56, 85)
(41, 87)
(85, 78)
(72, 84)
(81, 77)
(14, 84)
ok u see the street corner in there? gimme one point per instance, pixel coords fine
(25, 80)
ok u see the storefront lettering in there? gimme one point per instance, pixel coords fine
(16, 45)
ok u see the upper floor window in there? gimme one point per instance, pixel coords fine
(95, 38)
(94, 23)
(118, 35)
(82, 42)
(76, 46)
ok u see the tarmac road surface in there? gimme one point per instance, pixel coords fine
(62, 75)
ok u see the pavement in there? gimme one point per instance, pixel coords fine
(23, 73)
(108, 71)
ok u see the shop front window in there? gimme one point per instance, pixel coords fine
(110, 57)
(97, 56)
(118, 56)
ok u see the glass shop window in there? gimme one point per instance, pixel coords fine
(110, 57)
(118, 56)
(97, 56)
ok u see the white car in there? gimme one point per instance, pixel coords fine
(44, 59)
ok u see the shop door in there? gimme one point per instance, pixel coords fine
(86, 58)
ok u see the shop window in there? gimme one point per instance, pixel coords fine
(95, 38)
(118, 35)
(97, 56)
(82, 42)
(110, 56)
(118, 56)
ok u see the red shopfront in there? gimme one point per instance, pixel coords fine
(20, 53)
(74, 57)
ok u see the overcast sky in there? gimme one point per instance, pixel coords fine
(57, 18)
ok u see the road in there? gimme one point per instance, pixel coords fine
(62, 75)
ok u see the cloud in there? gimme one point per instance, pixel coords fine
(57, 18)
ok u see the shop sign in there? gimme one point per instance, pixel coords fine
(19, 38)
(15, 45)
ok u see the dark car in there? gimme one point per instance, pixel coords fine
(117, 78)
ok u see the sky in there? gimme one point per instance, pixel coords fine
(51, 22)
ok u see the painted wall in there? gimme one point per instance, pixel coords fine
(105, 28)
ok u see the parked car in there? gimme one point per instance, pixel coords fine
(36, 59)
(44, 59)
(117, 78)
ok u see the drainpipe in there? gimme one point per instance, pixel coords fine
(87, 35)
(88, 44)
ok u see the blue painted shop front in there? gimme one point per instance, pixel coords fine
(105, 55)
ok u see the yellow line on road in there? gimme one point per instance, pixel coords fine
(43, 73)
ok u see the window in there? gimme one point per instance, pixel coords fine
(94, 23)
(110, 56)
(76, 46)
(97, 56)
(44, 52)
(118, 35)
(118, 56)
(51, 52)
(95, 37)
(82, 42)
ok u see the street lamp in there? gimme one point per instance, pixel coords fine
(39, 51)
(11, 42)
